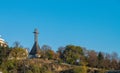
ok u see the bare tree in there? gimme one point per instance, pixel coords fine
(92, 59)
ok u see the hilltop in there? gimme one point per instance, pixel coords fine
(68, 59)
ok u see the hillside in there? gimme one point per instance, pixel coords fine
(69, 59)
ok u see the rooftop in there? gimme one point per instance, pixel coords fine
(1, 39)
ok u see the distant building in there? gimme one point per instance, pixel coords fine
(2, 42)
(35, 51)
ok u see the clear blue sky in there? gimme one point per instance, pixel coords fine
(94, 24)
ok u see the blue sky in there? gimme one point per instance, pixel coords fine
(94, 24)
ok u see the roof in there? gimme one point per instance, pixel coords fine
(1, 39)
(35, 49)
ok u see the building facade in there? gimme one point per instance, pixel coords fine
(3, 43)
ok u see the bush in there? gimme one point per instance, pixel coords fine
(102, 71)
(28, 71)
(48, 72)
(35, 69)
(80, 69)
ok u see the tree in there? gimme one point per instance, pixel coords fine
(119, 64)
(48, 53)
(107, 61)
(100, 60)
(100, 56)
(114, 61)
(92, 59)
(18, 53)
(72, 53)
(61, 51)
(114, 64)
(3, 54)
(17, 44)
(114, 56)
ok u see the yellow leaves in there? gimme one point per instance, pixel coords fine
(17, 53)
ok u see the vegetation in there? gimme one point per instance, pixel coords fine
(72, 53)
(17, 53)
(68, 59)
(80, 69)
(3, 54)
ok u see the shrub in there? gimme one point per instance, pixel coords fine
(80, 69)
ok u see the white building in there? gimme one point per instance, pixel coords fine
(2, 42)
